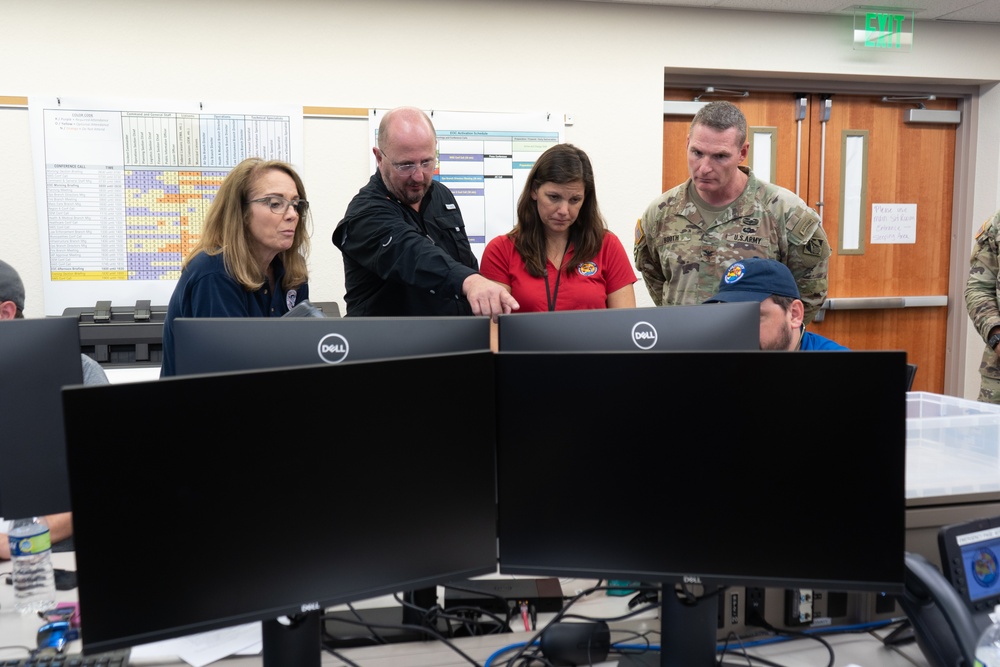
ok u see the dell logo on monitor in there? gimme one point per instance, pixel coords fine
(333, 348)
(644, 335)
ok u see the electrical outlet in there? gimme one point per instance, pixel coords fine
(798, 606)
(754, 607)
(731, 609)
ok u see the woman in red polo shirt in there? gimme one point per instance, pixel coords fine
(560, 254)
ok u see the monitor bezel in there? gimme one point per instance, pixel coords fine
(220, 344)
(710, 326)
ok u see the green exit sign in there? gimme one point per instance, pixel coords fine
(883, 28)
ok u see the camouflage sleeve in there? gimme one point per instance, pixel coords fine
(981, 286)
(648, 264)
(809, 260)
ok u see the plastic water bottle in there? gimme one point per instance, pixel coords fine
(988, 647)
(31, 559)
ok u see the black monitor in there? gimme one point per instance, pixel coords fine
(232, 513)
(209, 345)
(37, 358)
(710, 326)
(778, 469)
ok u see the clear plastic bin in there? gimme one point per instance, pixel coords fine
(952, 445)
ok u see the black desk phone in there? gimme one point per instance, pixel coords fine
(950, 608)
(970, 560)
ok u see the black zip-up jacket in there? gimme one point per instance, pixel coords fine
(400, 262)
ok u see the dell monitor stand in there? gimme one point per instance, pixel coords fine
(292, 640)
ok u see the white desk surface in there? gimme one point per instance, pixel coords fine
(863, 650)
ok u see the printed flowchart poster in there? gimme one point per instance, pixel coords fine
(123, 187)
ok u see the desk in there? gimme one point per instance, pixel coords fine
(863, 650)
(858, 649)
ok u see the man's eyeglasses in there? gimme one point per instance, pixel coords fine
(279, 205)
(407, 168)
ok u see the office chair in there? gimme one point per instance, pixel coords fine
(911, 371)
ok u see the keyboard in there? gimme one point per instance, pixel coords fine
(106, 659)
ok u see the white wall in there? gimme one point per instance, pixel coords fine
(604, 63)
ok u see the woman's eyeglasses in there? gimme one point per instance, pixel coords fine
(279, 205)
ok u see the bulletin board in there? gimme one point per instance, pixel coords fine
(121, 186)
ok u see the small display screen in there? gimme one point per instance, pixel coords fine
(980, 551)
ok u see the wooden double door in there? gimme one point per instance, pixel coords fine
(905, 163)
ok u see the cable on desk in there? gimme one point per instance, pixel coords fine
(524, 616)
(379, 639)
(419, 628)
(338, 656)
(832, 630)
(563, 613)
(792, 633)
(458, 621)
(509, 605)
(505, 649)
(624, 649)
(803, 634)
(743, 649)
(13, 647)
(472, 624)
(433, 614)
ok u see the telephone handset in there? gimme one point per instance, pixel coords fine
(946, 630)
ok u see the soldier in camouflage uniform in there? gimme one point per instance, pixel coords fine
(689, 235)
(981, 292)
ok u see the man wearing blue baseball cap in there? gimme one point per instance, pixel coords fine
(770, 283)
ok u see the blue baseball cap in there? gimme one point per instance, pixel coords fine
(755, 279)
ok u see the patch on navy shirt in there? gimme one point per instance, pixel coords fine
(290, 297)
(450, 207)
(587, 269)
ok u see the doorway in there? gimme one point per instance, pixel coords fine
(905, 163)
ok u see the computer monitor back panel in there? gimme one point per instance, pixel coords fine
(37, 358)
(210, 345)
(758, 468)
(712, 326)
(240, 508)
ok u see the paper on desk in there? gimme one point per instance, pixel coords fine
(203, 648)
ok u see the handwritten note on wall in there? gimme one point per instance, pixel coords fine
(894, 223)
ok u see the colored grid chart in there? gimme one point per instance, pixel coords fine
(124, 187)
(137, 218)
(164, 212)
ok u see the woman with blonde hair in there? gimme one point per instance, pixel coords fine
(251, 258)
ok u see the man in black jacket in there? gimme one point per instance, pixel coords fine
(403, 238)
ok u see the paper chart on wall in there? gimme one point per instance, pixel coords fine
(123, 186)
(484, 159)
